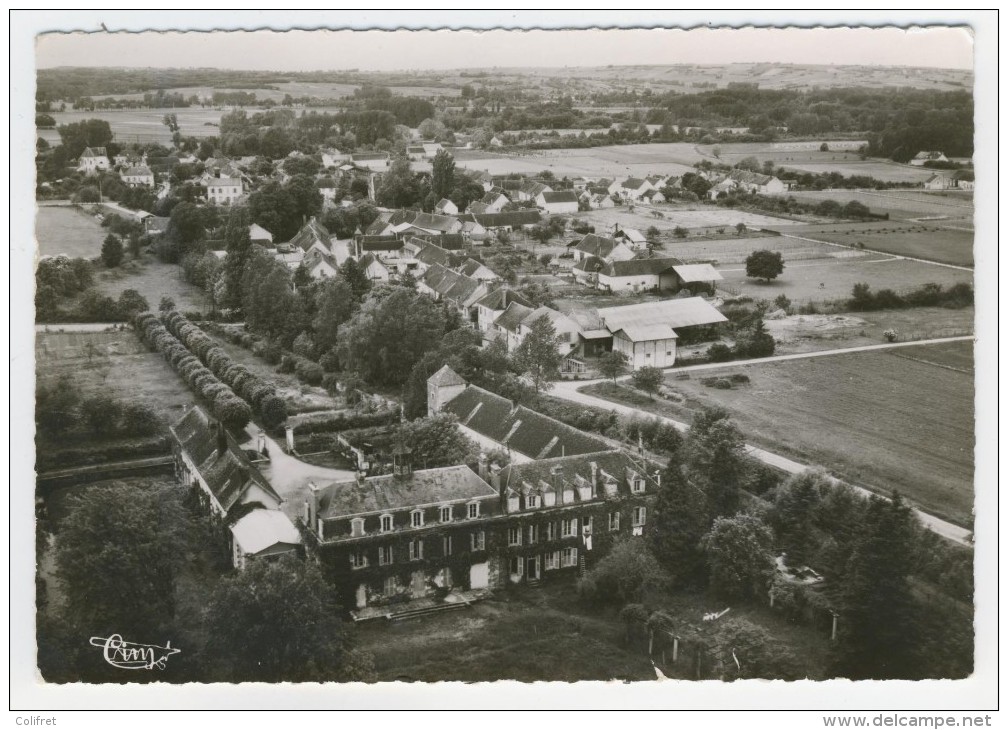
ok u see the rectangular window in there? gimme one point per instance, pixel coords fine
(515, 566)
(568, 496)
(639, 516)
(386, 523)
(532, 501)
(553, 560)
(637, 486)
(446, 514)
(568, 528)
(416, 550)
(391, 585)
(357, 527)
(473, 510)
(551, 531)
(613, 521)
(549, 498)
(477, 541)
(358, 560)
(385, 555)
(417, 518)
(514, 536)
(446, 544)
(569, 557)
(533, 534)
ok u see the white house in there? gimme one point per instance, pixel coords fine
(631, 189)
(92, 160)
(937, 182)
(927, 156)
(224, 190)
(558, 202)
(607, 249)
(566, 328)
(646, 334)
(137, 176)
(258, 234)
(333, 158)
(446, 207)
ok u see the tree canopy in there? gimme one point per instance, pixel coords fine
(538, 355)
(764, 265)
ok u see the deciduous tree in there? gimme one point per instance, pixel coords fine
(538, 355)
(612, 364)
(739, 552)
(648, 379)
(764, 265)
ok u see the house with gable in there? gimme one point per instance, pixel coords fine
(631, 189)
(446, 207)
(138, 176)
(93, 159)
(925, 156)
(601, 247)
(492, 305)
(558, 202)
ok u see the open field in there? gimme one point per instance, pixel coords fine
(143, 125)
(942, 209)
(691, 217)
(545, 634)
(734, 250)
(833, 278)
(153, 280)
(878, 169)
(613, 161)
(878, 419)
(67, 230)
(916, 240)
(120, 366)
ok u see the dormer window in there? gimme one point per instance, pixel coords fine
(357, 527)
(386, 523)
(568, 496)
(532, 501)
(549, 499)
(446, 514)
(416, 518)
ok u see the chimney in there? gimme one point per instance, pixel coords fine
(495, 477)
(556, 476)
(312, 506)
(594, 477)
(222, 444)
(484, 467)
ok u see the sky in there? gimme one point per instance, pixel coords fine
(300, 50)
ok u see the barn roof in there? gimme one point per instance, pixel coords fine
(697, 272)
(672, 312)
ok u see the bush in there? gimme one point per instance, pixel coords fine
(346, 421)
(722, 384)
(330, 361)
(140, 420)
(288, 363)
(782, 302)
(101, 414)
(304, 346)
(719, 352)
(739, 378)
(232, 411)
(274, 411)
(309, 372)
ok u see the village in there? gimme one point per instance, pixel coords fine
(418, 377)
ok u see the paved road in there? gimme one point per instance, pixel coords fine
(568, 390)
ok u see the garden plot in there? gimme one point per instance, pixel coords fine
(705, 217)
(931, 240)
(153, 279)
(612, 162)
(113, 363)
(953, 209)
(725, 251)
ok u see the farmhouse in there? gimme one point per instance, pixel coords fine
(607, 249)
(492, 202)
(494, 422)
(313, 235)
(508, 324)
(374, 268)
(924, 156)
(646, 334)
(568, 331)
(446, 207)
(509, 221)
(628, 277)
(631, 189)
(463, 291)
(137, 176)
(492, 306)
(208, 459)
(937, 182)
(373, 161)
(258, 234)
(753, 182)
(563, 201)
(631, 237)
(92, 160)
(477, 270)
(531, 189)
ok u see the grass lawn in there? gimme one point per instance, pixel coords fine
(119, 365)
(879, 419)
(546, 634)
(734, 249)
(918, 240)
(67, 230)
(694, 216)
(944, 209)
(153, 280)
(819, 280)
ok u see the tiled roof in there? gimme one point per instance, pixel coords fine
(379, 243)
(514, 218)
(432, 222)
(512, 317)
(446, 376)
(697, 272)
(94, 152)
(638, 267)
(499, 299)
(749, 177)
(311, 233)
(522, 429)
(612, 466)
(432, 255)
(594, 245)
(383, 493)
(140, 170)
(447, 241)
(228, 474)
(562, 196)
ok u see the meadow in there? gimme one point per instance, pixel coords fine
(833, 277)
(691, 217)
(944, 209)
(925, 240)
(67, 230)
(885, 420)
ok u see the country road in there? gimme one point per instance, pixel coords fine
(568, 390)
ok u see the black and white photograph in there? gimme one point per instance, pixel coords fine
(380, 356)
